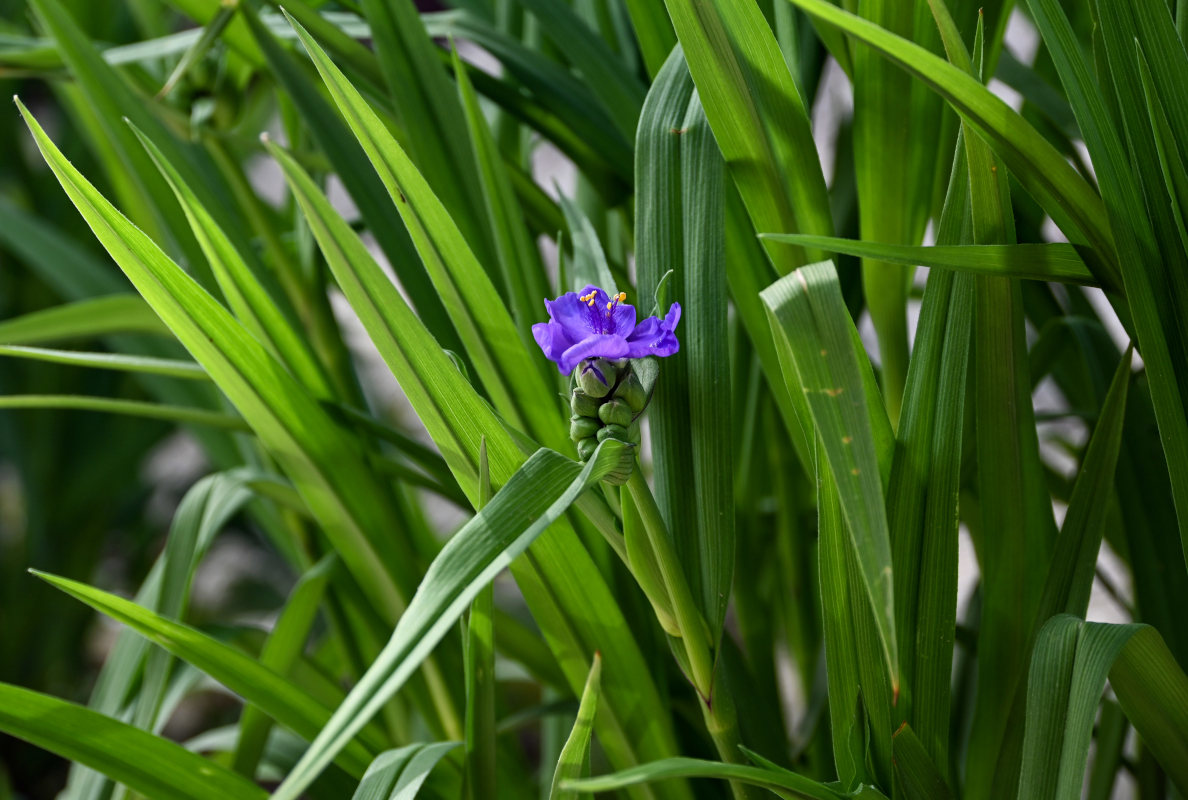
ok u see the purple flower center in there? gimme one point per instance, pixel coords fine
(602, 320)
(593, 324)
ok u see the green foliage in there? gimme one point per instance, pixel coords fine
(764, 598)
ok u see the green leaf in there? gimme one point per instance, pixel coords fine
(1043, 262)
(430, 114)
(83, 319)
(1071, 662)
(261, 307)
(484, 324)
(607, 76)
(706, 352)
(135, 408)
(654, 32)
(398, 774)
(813, 329)
(536, 496)
(922, 498)
(1074, 556)
(145, 763)
(758, 117)
(350, 164)
(320, 457)
(919, 776)
(589, 266)
(519, 259)
(1038, 166)
(782, 783)
(260, 685)
(174, 368)
(577, 747)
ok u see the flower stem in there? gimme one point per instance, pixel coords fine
(688, 617)
(717, 707)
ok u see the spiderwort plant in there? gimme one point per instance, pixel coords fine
(594, 337)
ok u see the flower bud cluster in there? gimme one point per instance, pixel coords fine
(606, 404)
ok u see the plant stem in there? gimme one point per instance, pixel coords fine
(721, 719)
(688, 618)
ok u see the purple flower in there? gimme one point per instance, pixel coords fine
(594, 324)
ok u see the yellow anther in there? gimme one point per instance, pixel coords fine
(622, 296)
(590, 302)
(609, 306)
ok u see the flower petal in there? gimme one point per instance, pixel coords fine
(672, 317)
(554, 340)
(622, 319)
(595, 346)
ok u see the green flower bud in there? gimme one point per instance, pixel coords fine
(586, 448)
(597, 376)
(615, 412)
(632, 392)
(582, 428)
(613, 432)
(582, 404)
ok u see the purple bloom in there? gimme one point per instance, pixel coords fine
(594, 324)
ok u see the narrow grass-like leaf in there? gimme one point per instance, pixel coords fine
(660, 247)
(262, 308)
(576, 751)
(922, 498)
(847, 722)
(200, 47)
(536, 496)
(430, 113)
(1153, 691)
(83, 319)
(399, 774)
(653, 31)
(58, 261)
(481, 768)
(1016, 516)
(589, 264)
(707, 354)
(519, 259)
(920, 777)
(135, 408)
(284, 646)
(782, 783)
(173, 368)
(1068, 674)
(1147, 237)
(758, 117)
(1074, 556)
(351, 166)
(606, 75)
(896, 127)
(143, 762)
(482, 319)
(205, 509)
(1043, 262)
(559, 579)
(245, 676)
(1039, 167)
(321, 458)
(811, 322)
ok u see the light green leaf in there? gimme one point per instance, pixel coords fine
(174, 368)
(576, 751)
(535, 497)
(281, 699)
(1043, 262)
(145, 763)
(398, 774)
(83, 319)
(821, 359)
